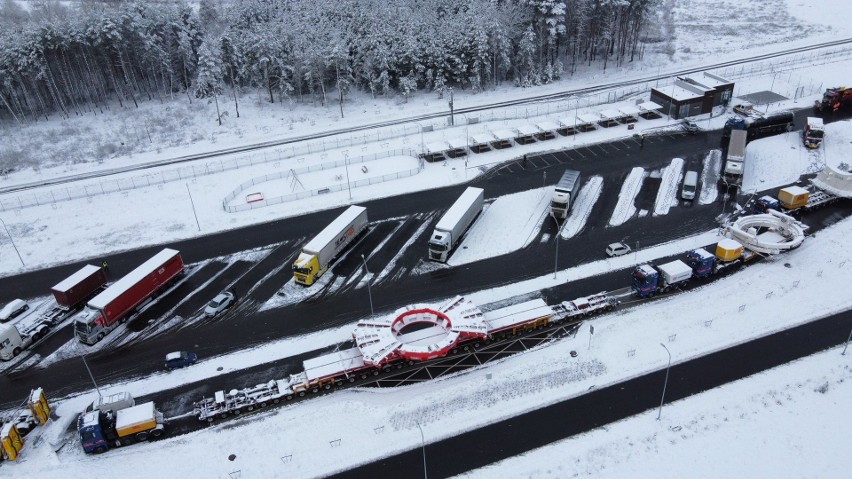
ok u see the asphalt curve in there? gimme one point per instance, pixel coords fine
(520, 434)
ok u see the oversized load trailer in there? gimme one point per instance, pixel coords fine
(454, 223)
(70, 294)
(317, 255)
(101, 430)
(793, 199)
(772, 124)
(118, 302)
(564, 194)
(649, 279)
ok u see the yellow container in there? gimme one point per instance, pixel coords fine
(728, 250)
(38, 405)
(793, 197)
(11, 441)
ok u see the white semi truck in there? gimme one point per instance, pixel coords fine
(564, 193)
(735, 161)
(318, 254)
(454, 223)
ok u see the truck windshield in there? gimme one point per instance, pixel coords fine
(301, 270)
(557, 204)
(815, 133)
(81, 327)
(437, 246)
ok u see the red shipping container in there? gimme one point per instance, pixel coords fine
(77, 287)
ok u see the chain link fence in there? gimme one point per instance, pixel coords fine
(319, 191)
(378, 135)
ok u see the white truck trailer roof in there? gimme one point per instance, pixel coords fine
(135, 416)
(459, 208)
(75, 278)
(331, 231)
(333, 363)
(516, 314)
(737, 145)
(815, 123)
(675, 271)
(130, 279)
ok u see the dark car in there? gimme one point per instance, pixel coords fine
(180, 359)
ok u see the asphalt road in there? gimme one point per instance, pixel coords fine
(244, 326)
(514, 436)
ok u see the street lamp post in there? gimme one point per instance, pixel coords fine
(423, 445)
(369, 292)
(348, 185)
(558, 235)
(847, 343)
(666, 383)
(13, 242)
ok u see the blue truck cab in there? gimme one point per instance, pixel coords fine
(92, 436)
(766, 203)
(701, 263)
(645, 280)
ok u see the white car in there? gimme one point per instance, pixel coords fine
(617, 249)
(13, 309)
(220, 303)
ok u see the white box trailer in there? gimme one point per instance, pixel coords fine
(564, 193)
(454, 223)
(675, 272)
(736, 154)
(318, 254)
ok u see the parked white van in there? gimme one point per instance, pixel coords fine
(690, 183)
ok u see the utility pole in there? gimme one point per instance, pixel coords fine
(369, 293)
(666, 383)
(193, 207)
(423, 445)
(452, 120)
(92, 376)
(13, 242)
(348, 185)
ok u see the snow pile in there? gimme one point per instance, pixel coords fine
(709, 177)
(582, 207)
(625, 209)
(667, 194)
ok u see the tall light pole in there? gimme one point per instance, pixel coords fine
(666, 383)
(423, 446)
(369, 293)
(13, 242)
(558, 236)
(847, 343)
(348, 185)
(92, 376)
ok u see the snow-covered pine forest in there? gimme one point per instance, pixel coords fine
(74, 58)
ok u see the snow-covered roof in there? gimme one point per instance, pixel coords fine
(646, 106)
(628, 110)
(482, 138)
(703, 254)
(729, 244)
(647, 270)
(610, 114)
(587, 119)
(130, 279)
(795, 190)
(503, 134)
(679, 93)
(75, 278)
(457, 143)
(459, 208)
(548, 125)
(520, 313)
(333, 363)
(815, 122)
(334, 228)
(675, 268)
(711, 80)
(528, 130)
(437, 147)
(173, 356)
(90, 419)
(133, 416)
(7, 428)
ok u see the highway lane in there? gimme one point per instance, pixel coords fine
(514, 436)
(250, 328)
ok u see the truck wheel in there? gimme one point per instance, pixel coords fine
(301, 394)
(250, 408)
(223, 415)
(100, 450)
(142, 436)
(157, 432)
(36, 336)
(351, 379)
(16, 352)
(237, 412)
(327, 387)
(278, 400)
(100, 337)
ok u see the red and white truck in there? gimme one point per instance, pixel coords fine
(118, 302)
(70, 295)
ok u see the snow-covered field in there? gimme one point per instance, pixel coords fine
(786, 418)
